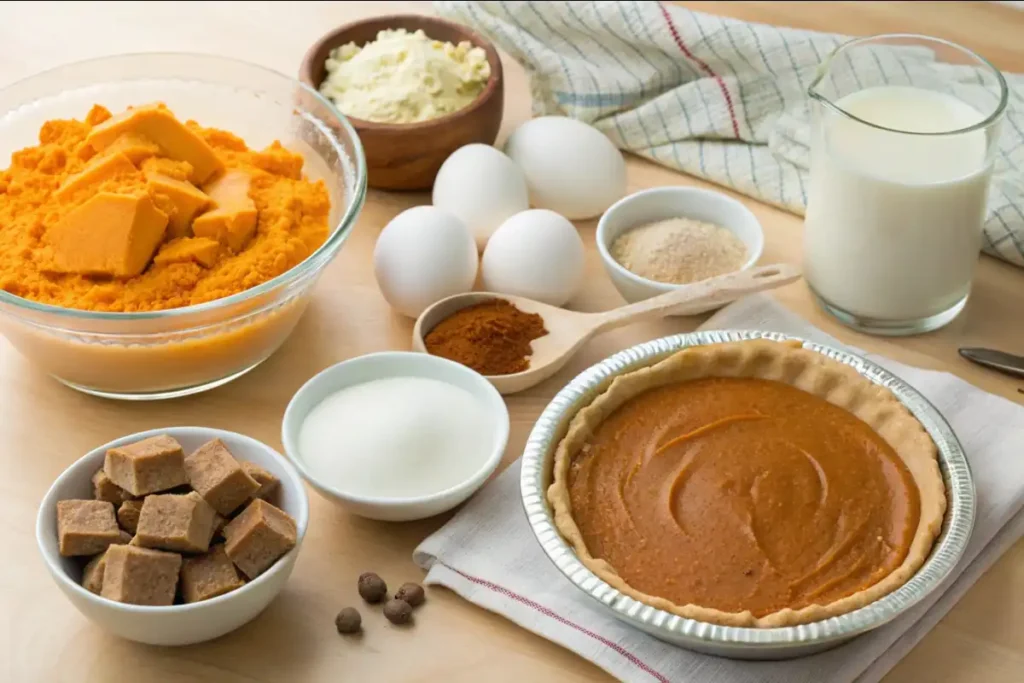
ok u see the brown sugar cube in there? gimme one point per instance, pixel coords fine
(174, 522)
(85, 527)
(140, 576)
(267, 481)
(258, 537)
(208, 576)
(151, 465)
(219, 478)
(128, 515)
(104, 489)
(92, 575)
(125, 538)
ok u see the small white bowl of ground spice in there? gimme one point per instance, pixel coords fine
(657, 240)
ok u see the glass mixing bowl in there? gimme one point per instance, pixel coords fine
(175, 352)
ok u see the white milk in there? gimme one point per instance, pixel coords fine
(893, 224)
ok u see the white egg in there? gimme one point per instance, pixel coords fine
(424, 255)
(570, 167)
(537, 254)
(481, 186)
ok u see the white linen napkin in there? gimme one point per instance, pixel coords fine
(487, 553)
(718, 98)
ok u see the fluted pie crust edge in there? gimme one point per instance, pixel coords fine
(789, 363)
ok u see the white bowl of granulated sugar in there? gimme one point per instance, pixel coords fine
(664, 238)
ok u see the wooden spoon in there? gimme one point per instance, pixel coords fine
(569, 330)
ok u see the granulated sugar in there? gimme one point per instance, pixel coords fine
(679, 250)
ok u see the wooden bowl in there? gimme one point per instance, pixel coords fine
(408, 156)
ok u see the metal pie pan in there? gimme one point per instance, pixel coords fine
(734, 641)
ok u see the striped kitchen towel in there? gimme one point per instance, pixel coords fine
(717, 98)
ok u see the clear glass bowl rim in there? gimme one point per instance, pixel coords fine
(819, 76)
(312, 262)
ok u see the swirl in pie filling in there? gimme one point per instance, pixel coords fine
(739, 493)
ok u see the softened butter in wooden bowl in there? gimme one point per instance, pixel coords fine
(407, 156)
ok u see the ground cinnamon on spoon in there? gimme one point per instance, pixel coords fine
(492, 338)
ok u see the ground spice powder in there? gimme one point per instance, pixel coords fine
(492, 338)
(679, 251)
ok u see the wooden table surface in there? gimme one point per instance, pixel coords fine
(44, 426)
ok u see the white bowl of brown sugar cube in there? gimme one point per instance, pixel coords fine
(174, 536)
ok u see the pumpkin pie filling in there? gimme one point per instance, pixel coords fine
(752, 483)
(742, 494)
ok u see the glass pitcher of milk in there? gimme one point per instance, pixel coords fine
(904, 135)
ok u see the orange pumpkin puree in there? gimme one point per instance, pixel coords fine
(100, 214)
(741, 493)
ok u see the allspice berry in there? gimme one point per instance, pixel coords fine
(412, 593)
(398, 611)
(349, 620)
(372, 588)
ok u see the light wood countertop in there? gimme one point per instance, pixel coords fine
(45, 426)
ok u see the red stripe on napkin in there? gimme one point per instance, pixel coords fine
(704, 66)
(629, 656)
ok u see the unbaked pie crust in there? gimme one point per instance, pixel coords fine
(789, 363)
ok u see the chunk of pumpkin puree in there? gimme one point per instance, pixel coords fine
(201, 250)
(158, 124)
(110, 234)
(98, 170)
(185, 200)
(233, 220)
(136, 147)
